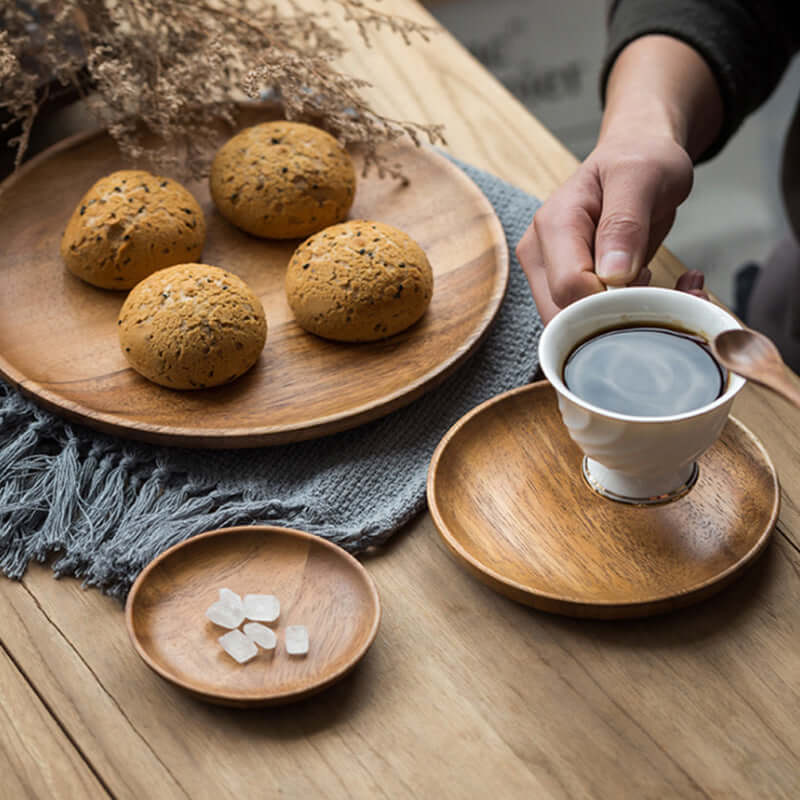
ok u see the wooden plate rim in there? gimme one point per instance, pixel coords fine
(254, 698)
(573, 606)
(270, 434)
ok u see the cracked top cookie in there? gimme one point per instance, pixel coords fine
(130, 224)
(192, 326)
(282, 180)
(358, 282)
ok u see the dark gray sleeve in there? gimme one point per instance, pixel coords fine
(747, 45)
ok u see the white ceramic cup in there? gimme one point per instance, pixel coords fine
(637, 459)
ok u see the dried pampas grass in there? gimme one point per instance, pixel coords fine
(166, 72)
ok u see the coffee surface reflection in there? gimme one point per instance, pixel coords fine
(645, 371)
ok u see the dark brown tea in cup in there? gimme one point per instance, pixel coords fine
(645, 371)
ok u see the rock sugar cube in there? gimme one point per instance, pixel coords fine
(296, 640)
(230, 598)
(261, 607)
(220, 613)
(261, 635)
(238, 646)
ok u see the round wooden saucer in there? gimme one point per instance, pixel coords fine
(58, 335)
(318, 584)
(506, 493)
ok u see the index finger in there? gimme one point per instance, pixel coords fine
(565, 228)
(530, 258)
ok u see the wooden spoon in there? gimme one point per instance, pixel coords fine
(755, 357)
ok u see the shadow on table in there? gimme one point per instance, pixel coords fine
(755, 592)
(330, 707)
(397, 539)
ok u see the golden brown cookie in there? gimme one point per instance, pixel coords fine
(358, 281)
(282, 180)
(128, 225)
(192, 326)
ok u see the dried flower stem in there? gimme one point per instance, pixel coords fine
(163, 73)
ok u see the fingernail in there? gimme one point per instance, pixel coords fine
(614, 264)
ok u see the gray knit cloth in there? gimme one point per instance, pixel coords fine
(103, 507)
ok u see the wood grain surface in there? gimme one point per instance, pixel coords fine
(58, 335)
(464, 694)
(317, 584)
(507, 495)
(36, 759)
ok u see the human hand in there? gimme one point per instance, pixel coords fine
(606, 222)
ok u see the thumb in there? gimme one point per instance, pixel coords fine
(623, 230)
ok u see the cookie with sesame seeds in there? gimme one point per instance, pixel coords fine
(130, 224)
(192, 326)
(358, 282)
(282, 180)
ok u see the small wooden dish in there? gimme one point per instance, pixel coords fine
(58, 335)
(507, 495)
(318, 584)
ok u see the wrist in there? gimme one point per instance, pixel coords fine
(663, 88)
(641, 120)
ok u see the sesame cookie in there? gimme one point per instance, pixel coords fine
(128, 225)
(358, 282)
(192, 326)
(282, 180)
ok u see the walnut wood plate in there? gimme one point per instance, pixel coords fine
(318, 584)
(507, 495)
(58, 338)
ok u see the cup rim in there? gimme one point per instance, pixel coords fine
(735, 382)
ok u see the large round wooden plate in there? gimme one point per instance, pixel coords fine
(318, 585)
(58, 338)
(507, 495)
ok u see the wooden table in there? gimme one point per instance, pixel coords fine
(464, 694)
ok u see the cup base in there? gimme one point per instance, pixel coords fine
(602, 481)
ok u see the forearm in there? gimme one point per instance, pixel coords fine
(663, 87)
(746, 44)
